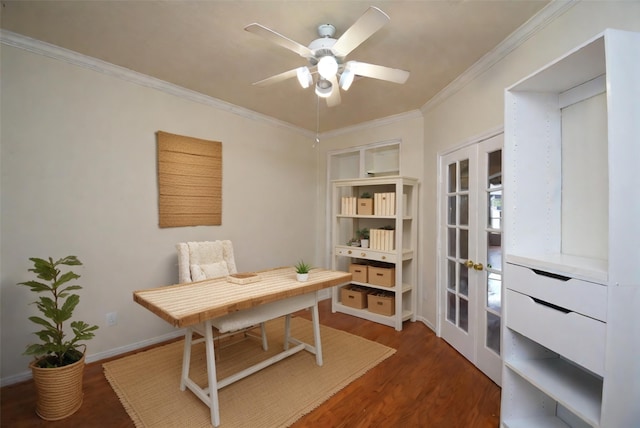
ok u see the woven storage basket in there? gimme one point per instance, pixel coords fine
(59, 390)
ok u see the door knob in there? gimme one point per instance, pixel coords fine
(478, 266)
(469, 263)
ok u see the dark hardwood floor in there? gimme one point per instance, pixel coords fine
(426, 383)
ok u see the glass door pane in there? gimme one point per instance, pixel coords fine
(457, 307)
(493, 238)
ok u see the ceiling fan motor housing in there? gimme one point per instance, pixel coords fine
(323, 47)
(326, 30)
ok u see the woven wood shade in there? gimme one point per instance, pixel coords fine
(189, 181)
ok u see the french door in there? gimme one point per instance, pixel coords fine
(470, 256)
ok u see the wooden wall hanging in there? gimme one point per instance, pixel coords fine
(189, 181)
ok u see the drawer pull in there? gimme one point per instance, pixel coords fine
(551, 275)
(551, 305)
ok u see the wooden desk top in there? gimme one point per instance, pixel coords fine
(191, 303)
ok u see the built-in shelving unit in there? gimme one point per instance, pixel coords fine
(571, 331)
(401, 256)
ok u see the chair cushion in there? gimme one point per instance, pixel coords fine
(208, 270)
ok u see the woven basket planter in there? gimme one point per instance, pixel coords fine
(59, 390)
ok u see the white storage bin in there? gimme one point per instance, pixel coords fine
(574, 336)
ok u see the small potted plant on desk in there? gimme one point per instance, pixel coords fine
(59, 364)
(302, 271)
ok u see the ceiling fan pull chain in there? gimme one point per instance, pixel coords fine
(317, 141)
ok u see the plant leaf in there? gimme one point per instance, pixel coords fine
(36, 286)
(41, 321)
(65, 277)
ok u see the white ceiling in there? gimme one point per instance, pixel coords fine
(202, 46)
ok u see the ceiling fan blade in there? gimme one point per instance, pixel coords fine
(381, 72)
(277, 78)
(334, 99)
(370, 22)
(279, 39)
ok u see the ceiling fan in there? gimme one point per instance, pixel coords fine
(326, 56)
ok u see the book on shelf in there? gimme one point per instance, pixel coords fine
(348, 205)
(382, 239)
(384, 203)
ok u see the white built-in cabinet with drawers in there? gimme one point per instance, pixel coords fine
(572, 240)
(403, 256)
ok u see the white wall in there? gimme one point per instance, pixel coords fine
(78, 176)
(479, 106)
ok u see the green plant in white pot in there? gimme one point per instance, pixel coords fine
(59, 363)
(302, 271)
(363, 235)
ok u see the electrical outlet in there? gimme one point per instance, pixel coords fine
(112, 319)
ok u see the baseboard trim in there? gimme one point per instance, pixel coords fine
(26, 375)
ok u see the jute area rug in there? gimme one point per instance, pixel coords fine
(148, 383)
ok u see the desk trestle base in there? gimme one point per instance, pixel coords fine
(260, 314)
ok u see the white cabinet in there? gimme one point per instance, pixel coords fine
(572, 330)
(395, 257)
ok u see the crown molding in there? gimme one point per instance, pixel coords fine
(515, 39)
(46, 49)
(411, 114)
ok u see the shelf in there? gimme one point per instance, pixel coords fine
(383, 173)
(364, 313)
(405, 287)
(570, 163)
(405, 239)
(575, 389)
(373, 181)
(382, 217)
(540, 422)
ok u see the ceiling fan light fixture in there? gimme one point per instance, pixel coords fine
(346, 79)
(323, 88)
(327, 66)
(304, 77)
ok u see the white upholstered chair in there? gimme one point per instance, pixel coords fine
(206, 259)
(210, 259)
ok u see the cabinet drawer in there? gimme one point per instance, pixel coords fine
(366, 253)
(574, 336)
(580, 296)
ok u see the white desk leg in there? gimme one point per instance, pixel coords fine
(211, 373)
(263, 333)
(315, 317)
(287, 331)
(186, 358)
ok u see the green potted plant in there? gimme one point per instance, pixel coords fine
(59, 360)
(363, 236)
(302, 271)
(365, 204)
